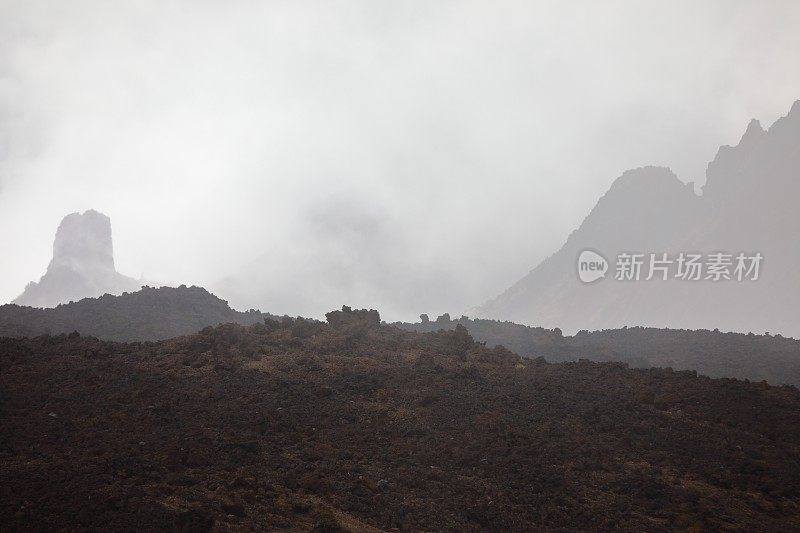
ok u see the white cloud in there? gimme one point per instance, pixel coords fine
(482, 134)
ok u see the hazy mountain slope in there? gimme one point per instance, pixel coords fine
(82, 265)
(310, 426)
(749, 205)
(774, 359)
(148, 314)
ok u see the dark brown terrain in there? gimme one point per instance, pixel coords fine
(166, 312)
(148, 314)
(713, 353)
(352, 425)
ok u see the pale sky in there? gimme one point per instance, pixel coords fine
(442, 144)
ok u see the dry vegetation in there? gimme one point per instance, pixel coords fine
(351, 425)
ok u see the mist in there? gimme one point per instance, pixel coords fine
(412, 158)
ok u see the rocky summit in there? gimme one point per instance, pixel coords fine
(82, 265)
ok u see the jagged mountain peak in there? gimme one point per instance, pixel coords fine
(753, 132)
(761, 169)
(648, 195)
(748, 205)
(648, 180)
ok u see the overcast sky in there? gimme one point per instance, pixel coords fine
(409, 144)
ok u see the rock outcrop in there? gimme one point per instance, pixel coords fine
(82, 265)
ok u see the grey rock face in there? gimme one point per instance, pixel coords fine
(83, 243)
(749, 204)
(82, 265)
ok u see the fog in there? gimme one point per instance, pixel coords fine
(412, 157)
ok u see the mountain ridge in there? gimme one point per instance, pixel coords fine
(747, 205)
(146, 315)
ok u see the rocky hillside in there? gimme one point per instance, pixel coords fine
(148, 314)
(772, 358)
(350, 425)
